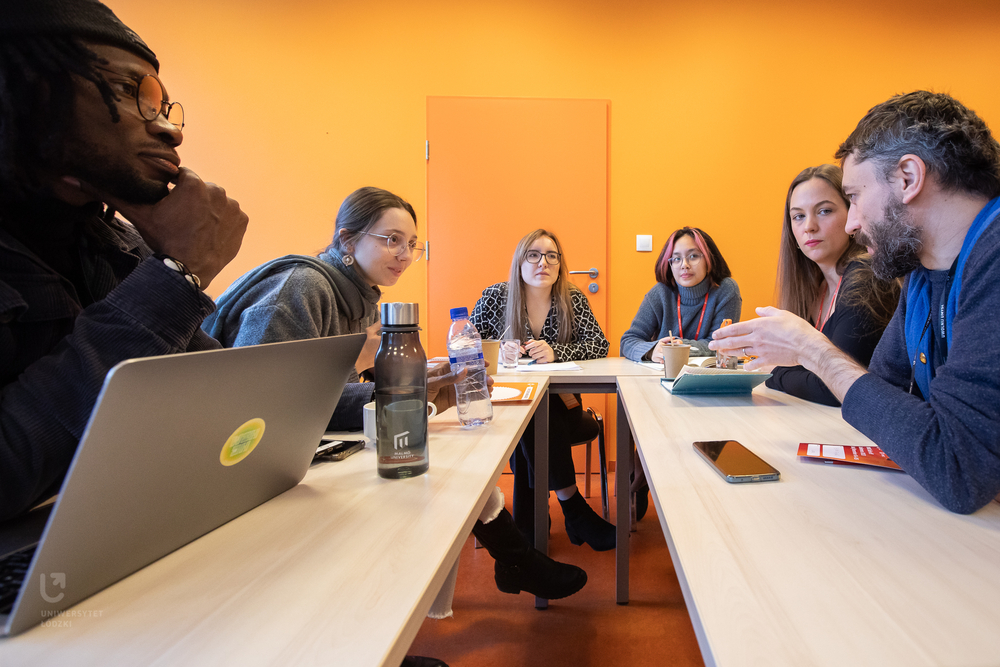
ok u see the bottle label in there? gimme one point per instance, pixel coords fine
(471, 355)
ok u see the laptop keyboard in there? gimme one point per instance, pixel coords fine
(13, 567)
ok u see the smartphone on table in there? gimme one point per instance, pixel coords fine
(337, 450)
(736, 463)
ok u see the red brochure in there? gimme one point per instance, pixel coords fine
(868, 455)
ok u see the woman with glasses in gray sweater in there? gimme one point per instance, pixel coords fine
(694, 293)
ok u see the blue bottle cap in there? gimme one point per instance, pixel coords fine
(459, 313)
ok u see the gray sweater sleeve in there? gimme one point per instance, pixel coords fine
(641, 337)
(950, 442)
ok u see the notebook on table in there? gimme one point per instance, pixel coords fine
(701, 380)
(175, 447)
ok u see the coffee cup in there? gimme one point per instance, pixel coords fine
(674, 359)
(491, 349)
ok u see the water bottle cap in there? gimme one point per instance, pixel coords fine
(400, 314)
(459, 313)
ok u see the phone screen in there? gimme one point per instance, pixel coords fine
(735, 462)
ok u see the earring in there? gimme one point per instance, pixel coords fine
(348, 260)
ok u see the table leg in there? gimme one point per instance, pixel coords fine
(542, 482)
(623, 469)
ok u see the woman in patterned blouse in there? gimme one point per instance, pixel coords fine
(553, 318)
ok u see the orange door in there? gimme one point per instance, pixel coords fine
(499, 168)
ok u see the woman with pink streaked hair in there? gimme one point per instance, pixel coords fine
(694, 293)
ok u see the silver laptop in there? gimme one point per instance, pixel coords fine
(175, 447)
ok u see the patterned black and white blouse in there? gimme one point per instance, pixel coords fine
(588, 340)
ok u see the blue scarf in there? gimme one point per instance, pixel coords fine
(918, 300)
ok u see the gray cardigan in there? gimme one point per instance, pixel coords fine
(658, 315)
(297, 297)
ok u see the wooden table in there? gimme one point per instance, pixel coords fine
(832, 565)
(599, 376)
(340, 570)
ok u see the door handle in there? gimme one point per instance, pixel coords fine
(592, 273)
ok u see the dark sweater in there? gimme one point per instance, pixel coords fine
(852, 330)
(950, 442)
(657, 317)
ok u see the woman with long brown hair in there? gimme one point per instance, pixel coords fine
(552, 316)
(824, 277)
(298, 297)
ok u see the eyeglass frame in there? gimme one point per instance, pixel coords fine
(677, 260)
(544, 255)
(165, 105)
(406, 246)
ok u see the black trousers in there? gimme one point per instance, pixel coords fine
(567, 427)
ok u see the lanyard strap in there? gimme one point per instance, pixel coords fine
(680, 325)
(941, 344)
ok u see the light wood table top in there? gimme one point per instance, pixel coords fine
(595, 372)
(340, 570)
(832, 565)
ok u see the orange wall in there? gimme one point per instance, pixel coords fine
(714, 108)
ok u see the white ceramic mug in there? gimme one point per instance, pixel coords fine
(369, 419)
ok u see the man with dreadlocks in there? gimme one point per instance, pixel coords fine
(87, 129)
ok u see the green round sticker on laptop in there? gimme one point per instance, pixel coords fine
(242, 442)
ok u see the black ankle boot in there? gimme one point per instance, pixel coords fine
(584, 525)
(521, 567)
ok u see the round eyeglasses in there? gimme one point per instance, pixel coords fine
(533, 257)
(397, 245)
(150, 97)
(692, 259)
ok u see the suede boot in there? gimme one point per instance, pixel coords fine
(584, 525)
(521, 567)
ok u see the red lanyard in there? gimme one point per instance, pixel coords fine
(680, 327)
(823, 320)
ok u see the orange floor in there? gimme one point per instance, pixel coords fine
(493, 628)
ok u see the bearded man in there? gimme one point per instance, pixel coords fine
(922, 173)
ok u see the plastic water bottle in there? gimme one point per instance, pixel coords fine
(401, 394)
(465, 350)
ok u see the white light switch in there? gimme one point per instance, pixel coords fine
(644, 243)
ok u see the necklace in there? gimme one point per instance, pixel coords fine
(829, 311)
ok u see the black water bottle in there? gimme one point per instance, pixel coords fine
(401, 394)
